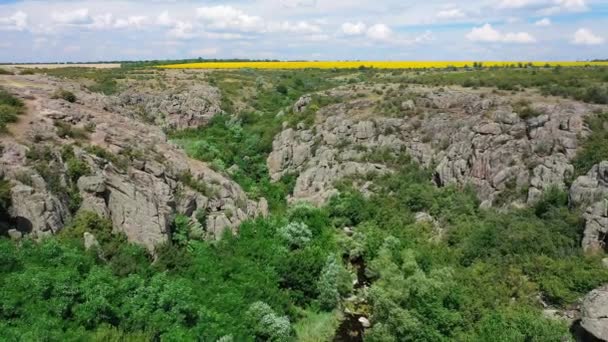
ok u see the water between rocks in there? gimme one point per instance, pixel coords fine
(350, 329)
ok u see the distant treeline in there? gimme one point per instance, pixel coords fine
(153, 62)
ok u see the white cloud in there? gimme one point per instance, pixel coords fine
(585, 37)
(572, 5)
(488, 34)
(79, 16)
(204, 52)
(379, 32)
(298, 27)
(16, 22)
(353, 29)
(546, 7)
(135, 22)
(182, 30)
(452, 13)
(543, 22)
(229, 18)
(298, 3)
(519, 37)
(518, 3)
(102, 21)
(164, 19)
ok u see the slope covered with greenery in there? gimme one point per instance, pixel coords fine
(478, 275)
(481, 280)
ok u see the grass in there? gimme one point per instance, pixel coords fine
(595, 148)
(586, 84)
(368, 64)
(10, 108)
(317, 326)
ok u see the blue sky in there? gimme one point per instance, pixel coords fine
(92, 30)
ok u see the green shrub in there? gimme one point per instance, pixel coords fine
(66, 130)
(10, 108)
(65, 95)
(267, 325)
(5, 198)
(594, 148)
(5, 72)
(334, 283)
(77, 168)
(296, 234)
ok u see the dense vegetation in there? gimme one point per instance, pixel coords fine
(595, 148)
(258, 104)
(481, 279)
(473, 275)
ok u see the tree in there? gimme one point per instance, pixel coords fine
(267, 325)
(335, 281)
(296, 234)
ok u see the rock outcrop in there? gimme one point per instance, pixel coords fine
(591, 192)
(134, 176)
(595, 313)
(471, 138)
(190, 106)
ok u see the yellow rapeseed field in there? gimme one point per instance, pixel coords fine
(368, 64)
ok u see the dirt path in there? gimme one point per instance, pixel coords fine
(17, 131)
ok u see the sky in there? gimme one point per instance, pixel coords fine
(104, 30)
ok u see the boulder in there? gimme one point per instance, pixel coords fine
(92, 184)
(596, 227)
(595, 313)
(591, 187)
(14, 234)
(90, 241)
(39, 213)
(302, 103)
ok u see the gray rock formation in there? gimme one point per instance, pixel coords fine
(591, 192)
(37, 211)
(190, 107)
(595, 313)
(90, 241)
(137, 178)
(302, 103)
(472, 139)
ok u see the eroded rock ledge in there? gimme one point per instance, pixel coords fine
(467, 137)
(140, 192)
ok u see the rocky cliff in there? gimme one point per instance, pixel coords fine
(467, 137)
(119, 166)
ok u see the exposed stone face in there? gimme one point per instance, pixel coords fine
(591, 187)
(596, 227)
(140, 197)
(591, 192)
(90, 241)
(302, 103)
(595, 313)
(191, 107)
(37, 212)
(471, 139)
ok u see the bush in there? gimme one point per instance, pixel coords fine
(65, 95)
(594, 149)
(77, 168)
(10, 108)
(267, 325)
(296, 234)
(5, 198)
(281, 89)
(335, 281)
(65, 130)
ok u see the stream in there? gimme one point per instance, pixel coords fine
(350, 329)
